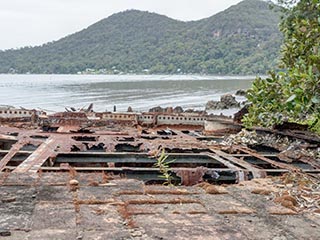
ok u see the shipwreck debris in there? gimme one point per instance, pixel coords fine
(121, 143)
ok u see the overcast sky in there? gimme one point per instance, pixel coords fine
(34, 22)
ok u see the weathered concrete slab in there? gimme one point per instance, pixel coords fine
(99, 218)
(127, 209)
(54, 216)
(16, 207)
(100, 193)
(299, 226)
(52, 234)
(56, 179)
(176, 226)
(54, 194)
(116, 235)
(23, 179)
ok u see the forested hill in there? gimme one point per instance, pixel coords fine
(244, 39)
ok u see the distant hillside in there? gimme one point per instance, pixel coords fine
(243, 39)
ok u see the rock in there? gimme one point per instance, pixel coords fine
(157, 109)
(8, 199)
(73, 182)
(74, 185)
(190, 110)
(136, 234)
(279, 238)
(212, 105)
(226, 101)
(5, 232)
(178, 109)
(169, 110)
(229, 101)
(241, 92)
(129, 109)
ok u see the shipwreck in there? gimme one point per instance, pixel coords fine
(103, 165)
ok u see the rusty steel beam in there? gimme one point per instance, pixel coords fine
(223, 162)
(19, 152)
(7, 138)
(10, 154)
(242, 175)
(256, 172)
(34, 162)
(137, 169)
(115, 169)
(237, 155)
(272, 162)
(190, 176)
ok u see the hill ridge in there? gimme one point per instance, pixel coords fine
(243, 39)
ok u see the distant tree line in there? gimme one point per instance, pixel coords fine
(243, 39)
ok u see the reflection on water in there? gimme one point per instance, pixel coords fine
(54, 92)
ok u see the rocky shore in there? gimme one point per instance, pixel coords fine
(177, 109)
(227, 101)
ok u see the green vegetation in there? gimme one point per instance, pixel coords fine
(164, 167)
(243, 39)
(294, 94)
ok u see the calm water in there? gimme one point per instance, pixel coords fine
(55, 92)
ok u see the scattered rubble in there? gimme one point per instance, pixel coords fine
(299, 192)
(287, 149)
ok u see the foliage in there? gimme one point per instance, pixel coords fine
(164, 167)
(243, 39)
(294, 94)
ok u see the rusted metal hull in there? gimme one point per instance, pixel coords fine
(132, 152)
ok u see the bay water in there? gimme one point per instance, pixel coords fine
(53, 93)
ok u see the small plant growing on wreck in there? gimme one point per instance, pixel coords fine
(164, 167)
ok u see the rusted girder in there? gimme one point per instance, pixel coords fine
(272, 162)
(34, 162)
(242, 175)
(256, 172)
(191, 176)
(13, 150)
